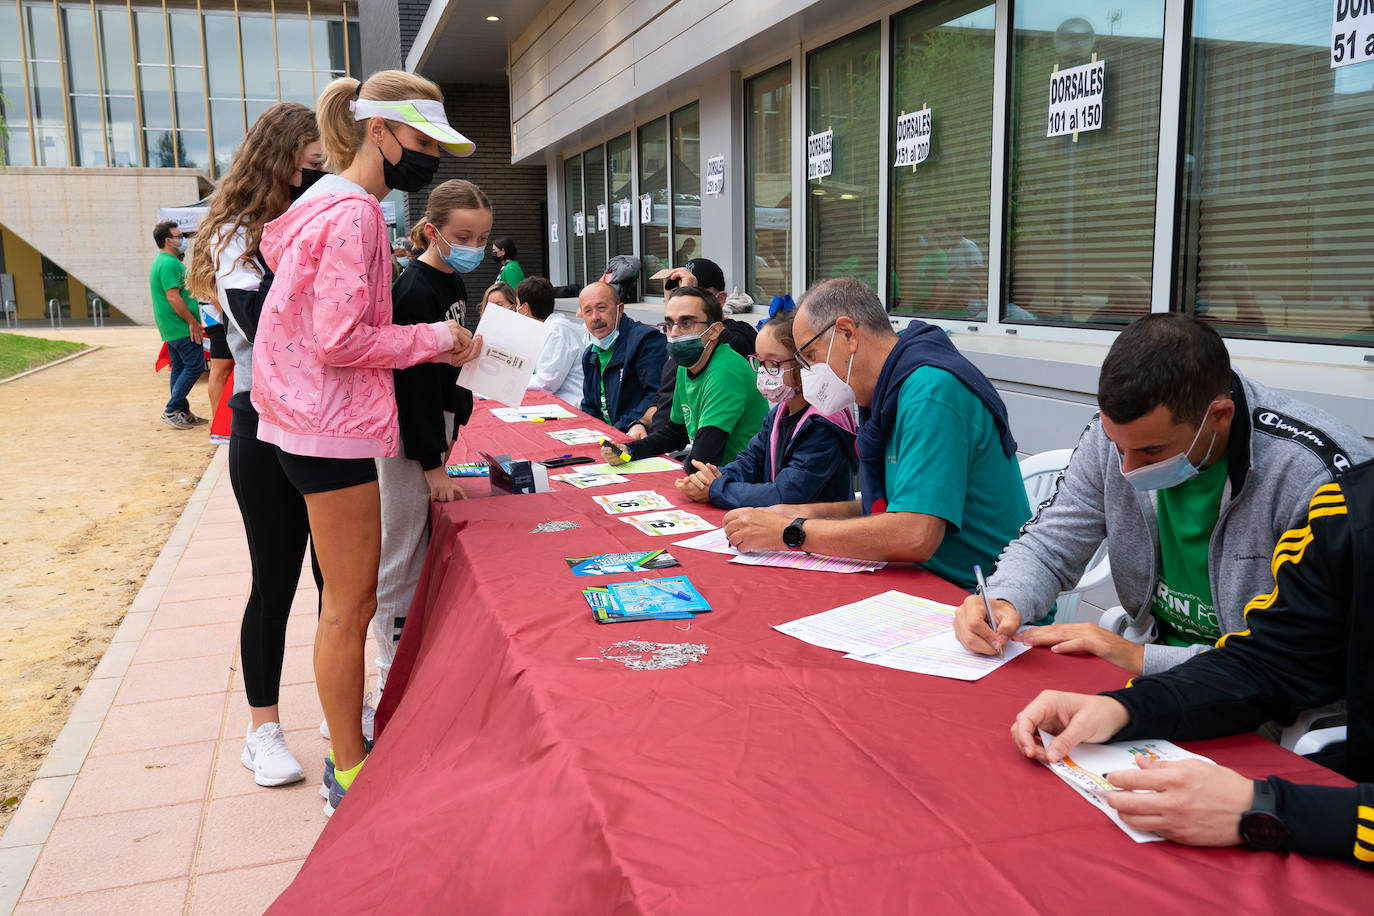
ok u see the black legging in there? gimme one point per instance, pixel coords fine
(278, 528)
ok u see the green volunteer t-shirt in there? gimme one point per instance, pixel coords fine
(605, 357)
(169, 273)
(725, 395)
(945, 458)
(1182, 601)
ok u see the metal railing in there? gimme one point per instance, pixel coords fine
(55, 312)
(11, 309)
(97, 312)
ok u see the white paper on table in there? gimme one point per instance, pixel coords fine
(638, 466)
(632, 501)
(941, 655)
(511, 344)
(1087, 766)
(674, 521)
(873, 624)
(713, 541)
(579, 436)
(528, 414)
(583, 481)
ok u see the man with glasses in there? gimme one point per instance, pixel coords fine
(938, 476)
(1192, 474)
(716, 402)
(706, 274)
(620, 369)
(177, 322)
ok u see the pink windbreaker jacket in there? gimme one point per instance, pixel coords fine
(325, 347)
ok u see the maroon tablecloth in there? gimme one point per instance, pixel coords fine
(518, 774)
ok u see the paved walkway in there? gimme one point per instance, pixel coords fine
(142, 806)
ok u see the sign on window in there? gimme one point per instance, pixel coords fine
(715, 175)
(913, 138)
(1352, 32)
(1076, 99)
(820, 160)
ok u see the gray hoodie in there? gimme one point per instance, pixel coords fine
(1280, 451)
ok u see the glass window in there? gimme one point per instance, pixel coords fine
(14, 103)
(297, 86)
(572, 187)
(686, 133)
(942, 58)
(253, 109)
(594, 184)
(226, 117)
(152, 39)
(82, 68)
(222, 56)
(293, 43)
(768, 187)
(1274, 202)
(842, 208)
(42, 32)
(87, 131)
(49, 115)
(259, 58)
(162, 148)
(653, 183)
(116, 56)
(193, 149)
(355, 48)
(619, 178)
(185, 35)
(1081, 234)
(190, 97)
(121, 120)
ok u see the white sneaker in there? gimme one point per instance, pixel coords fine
(266, 754)
(369, 717)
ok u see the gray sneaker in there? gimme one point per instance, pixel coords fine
(191, 418)
(176, 420)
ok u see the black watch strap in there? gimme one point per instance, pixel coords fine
(1262, 827)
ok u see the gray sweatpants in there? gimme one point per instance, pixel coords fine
(405, 538)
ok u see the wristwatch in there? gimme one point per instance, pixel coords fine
(1261, 827)
(793, 536)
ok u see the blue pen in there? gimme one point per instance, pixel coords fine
(681, 596)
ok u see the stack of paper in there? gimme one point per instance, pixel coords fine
(525, 414)
(579, 436)
(638, 466)
(673, 598)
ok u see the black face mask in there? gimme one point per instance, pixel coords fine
(411, 172)
(308, 177)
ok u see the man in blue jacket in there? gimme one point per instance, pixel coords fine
(621, 369)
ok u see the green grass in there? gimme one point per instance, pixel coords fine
(19, 353)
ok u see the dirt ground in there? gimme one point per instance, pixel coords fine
(93, 482)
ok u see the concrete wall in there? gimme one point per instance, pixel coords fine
(378, 23)
(97, 224)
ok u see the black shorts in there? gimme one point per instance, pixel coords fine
(219, 342)
(322, 475)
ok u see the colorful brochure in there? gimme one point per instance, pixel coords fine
(607, 564)
(657, 597)
(632, 501)
(469, 469)
(674, 522)
(638, 466)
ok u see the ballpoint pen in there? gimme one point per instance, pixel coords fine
(987, 605)
(681, 596)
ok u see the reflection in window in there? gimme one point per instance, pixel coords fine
(1081, 238)
(121, 112)
(293, 44)
(47, 107)
(653, 183)
(572, 185)
(1276, 203)
(259, 59)
(594, 181)
(686, 129)
(14, 106)
(842, 209)
(942, 57)
(619, 176)
(768, 183)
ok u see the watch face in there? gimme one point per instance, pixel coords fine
(793, 536)
(1261, 830)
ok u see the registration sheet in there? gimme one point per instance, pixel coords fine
(511, 344)
(873, 624)
(715, 542)
(530, 414)
(638, 466)
(942, 655)
(1086, 769)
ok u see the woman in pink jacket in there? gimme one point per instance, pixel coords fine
(323, 361)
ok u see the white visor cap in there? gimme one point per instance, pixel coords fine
(425, 115)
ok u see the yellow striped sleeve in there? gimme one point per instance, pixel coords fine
(1291, 547)
(1365, 813)
(1363, 853)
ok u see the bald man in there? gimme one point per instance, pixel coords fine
(621, 368)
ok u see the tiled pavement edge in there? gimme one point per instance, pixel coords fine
(142, 805)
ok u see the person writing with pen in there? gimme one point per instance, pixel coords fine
(937, 462)
(716, 401)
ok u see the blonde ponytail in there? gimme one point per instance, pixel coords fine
(341, 133)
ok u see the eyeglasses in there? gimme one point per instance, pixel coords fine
(772, 367)
(805, 363)
(685, 325)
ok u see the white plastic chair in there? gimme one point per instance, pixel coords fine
(1040, 474)
(1304, 740)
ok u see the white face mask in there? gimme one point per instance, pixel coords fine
(1171, 471)
(822, 387)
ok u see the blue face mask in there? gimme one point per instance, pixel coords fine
(1171, 471)
(608, 341)
(404, 262)
(183, 244)
(462, 258)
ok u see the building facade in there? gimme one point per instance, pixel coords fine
(1215, 169)
(112, 110)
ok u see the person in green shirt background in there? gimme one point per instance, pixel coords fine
(178, 321)
(716, 400)
(511, 272)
